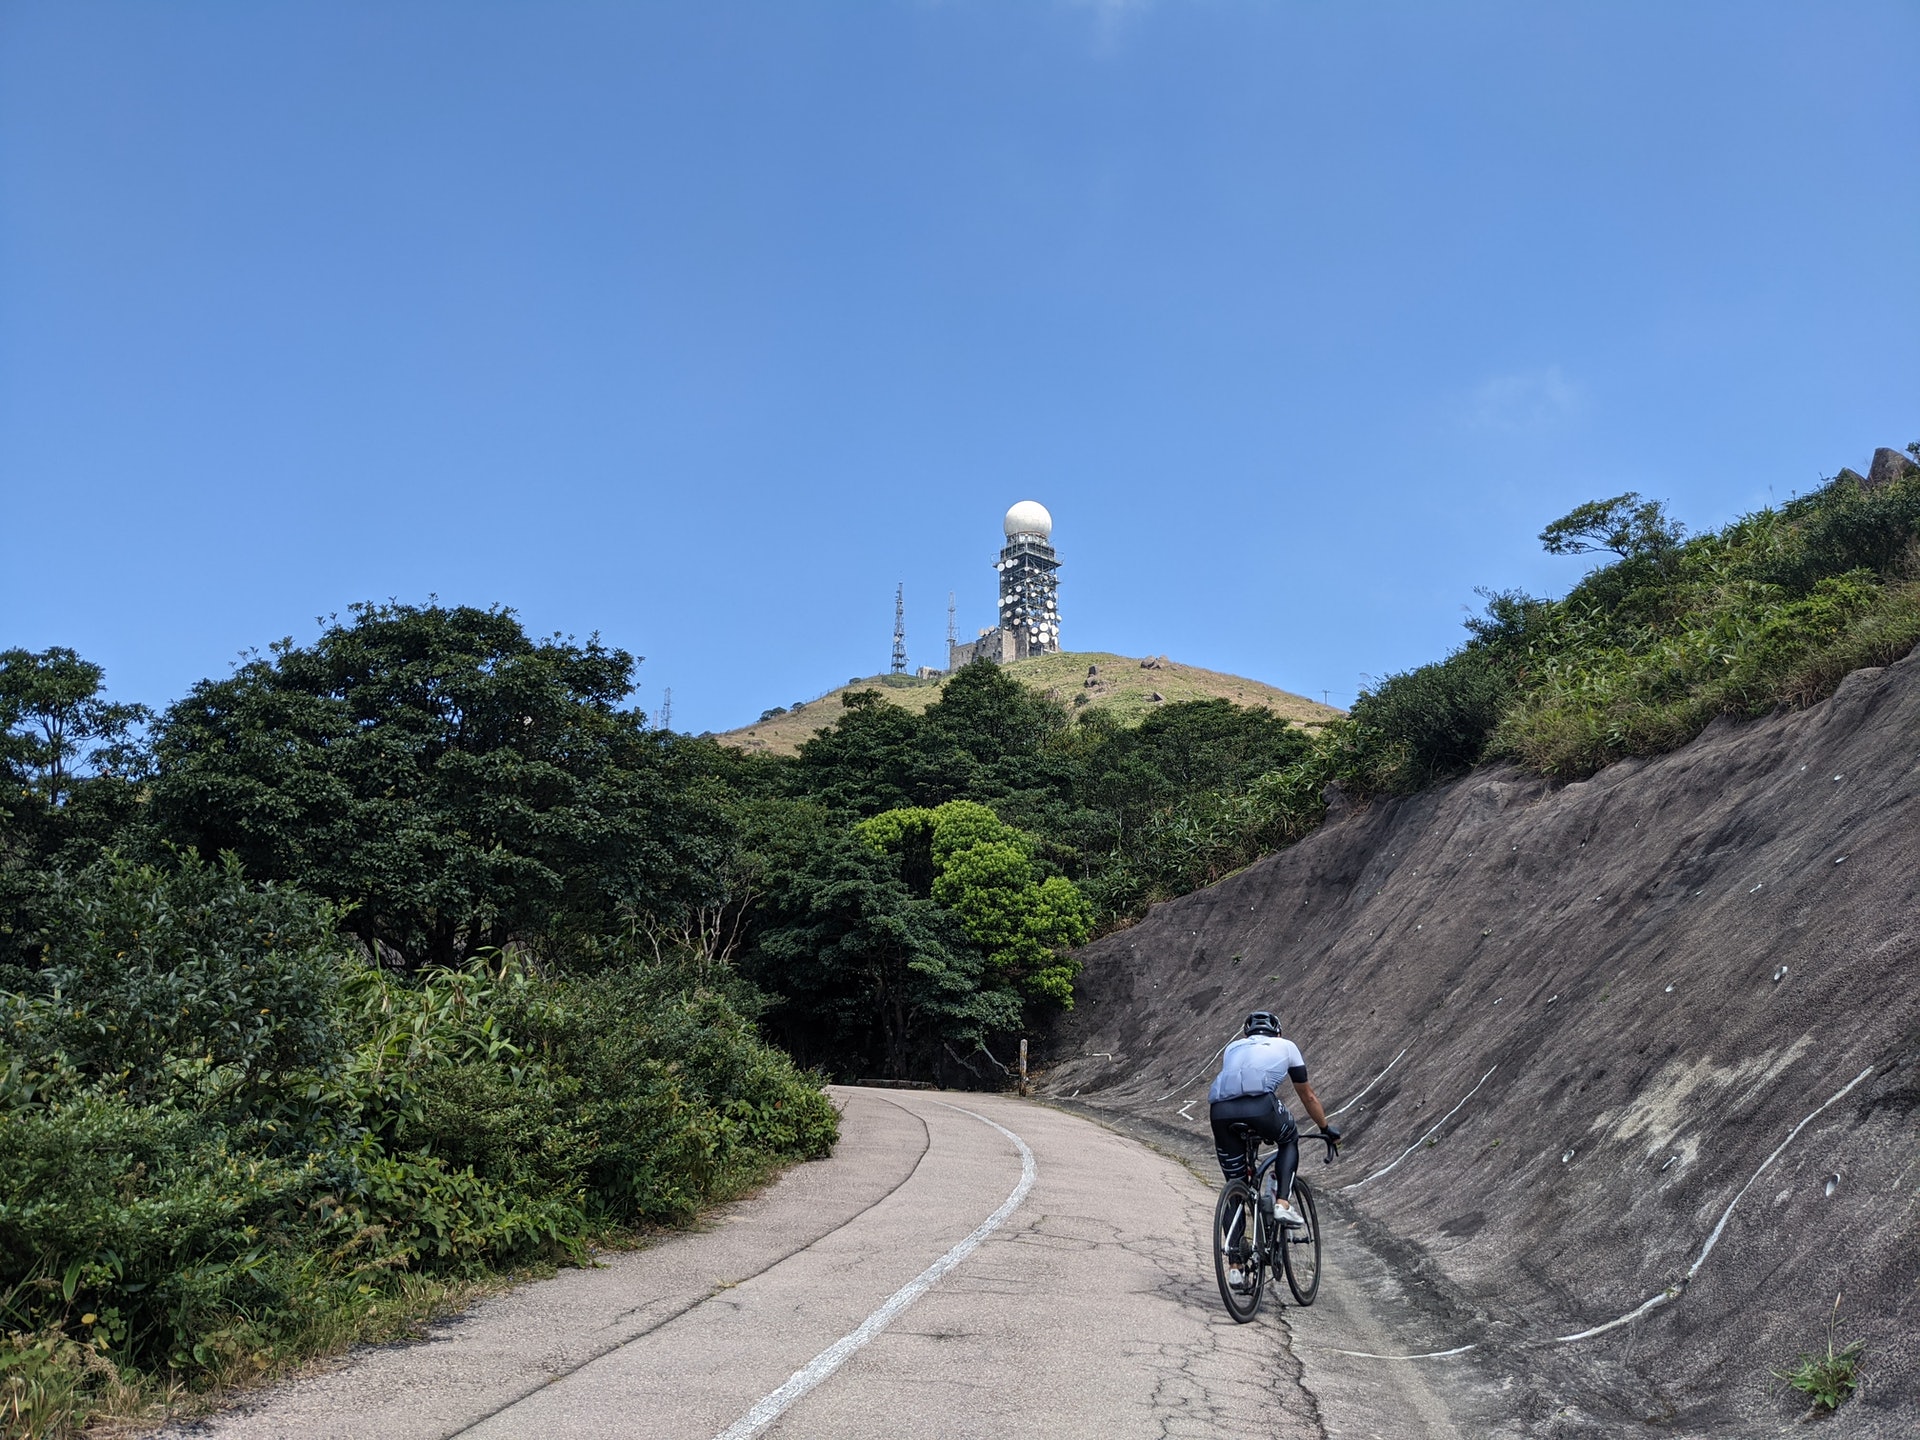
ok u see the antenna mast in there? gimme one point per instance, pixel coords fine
(900, 629)
(666, 709)
(953, 635)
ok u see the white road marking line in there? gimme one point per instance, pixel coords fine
(773, 1406)
(1422, 1140)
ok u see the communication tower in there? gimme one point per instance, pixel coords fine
(900, 629)
(1029, 584)
(953, 633)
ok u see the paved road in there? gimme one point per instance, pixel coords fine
(1077, 1299)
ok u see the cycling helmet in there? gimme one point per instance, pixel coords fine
(1262, 1022)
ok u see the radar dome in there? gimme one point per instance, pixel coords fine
(1029, 517)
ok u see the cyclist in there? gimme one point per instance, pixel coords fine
(1245, 1092)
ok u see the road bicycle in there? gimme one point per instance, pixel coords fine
(1245, 1247)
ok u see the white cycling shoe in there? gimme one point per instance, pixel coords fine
(1284, 1212)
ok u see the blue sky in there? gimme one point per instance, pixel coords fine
(702, 325)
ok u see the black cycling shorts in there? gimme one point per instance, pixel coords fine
(1263, 1114)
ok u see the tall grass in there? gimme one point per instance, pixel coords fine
(1772, 611)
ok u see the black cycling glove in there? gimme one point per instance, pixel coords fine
(1332, 1132)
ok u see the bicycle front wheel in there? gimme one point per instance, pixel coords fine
(1237, 1261)
(1300, 1249)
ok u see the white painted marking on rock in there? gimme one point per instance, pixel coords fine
(1368, 1355)
(1423, 1139)
(823, 1365)
(1203, 1070)
(1673, 1292)
(1369, 1085)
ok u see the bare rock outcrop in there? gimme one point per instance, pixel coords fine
(1580, 1104)
(1888, 466)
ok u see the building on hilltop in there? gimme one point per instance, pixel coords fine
(1029, 593)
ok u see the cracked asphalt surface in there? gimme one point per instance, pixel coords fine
(1090, 1312)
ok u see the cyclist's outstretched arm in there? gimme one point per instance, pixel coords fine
(1311, 1101)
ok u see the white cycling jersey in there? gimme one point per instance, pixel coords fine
(1255, 1065)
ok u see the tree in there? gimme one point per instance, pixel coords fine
(1178, 751)
(982, 872)
(1632, 528)
(990, 738)
(455, 783)
(72, 764)
(987, 737)
(869, 972)
(57, 727)
(865, 761)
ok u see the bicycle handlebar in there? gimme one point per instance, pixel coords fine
(1333, 1145)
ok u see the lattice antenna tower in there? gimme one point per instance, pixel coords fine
(900, 629)
(666, 708)
(1029, 584)
(953, 632)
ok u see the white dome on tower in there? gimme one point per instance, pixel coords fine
(1029, 517)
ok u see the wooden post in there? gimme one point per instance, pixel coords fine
(1025, 1088)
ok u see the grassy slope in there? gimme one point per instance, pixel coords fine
(1123, 686)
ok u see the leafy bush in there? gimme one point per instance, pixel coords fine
(197, 964)
(1837, 529)
(219, 1128)
(1643, 653)
(1429, 723)
(1739, 647)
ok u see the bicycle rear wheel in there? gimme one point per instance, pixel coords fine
(1300, 1249)
(1237, 1261)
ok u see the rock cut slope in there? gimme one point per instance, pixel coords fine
(1629, 1067)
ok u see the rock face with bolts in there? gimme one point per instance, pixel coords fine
(1666, 1041)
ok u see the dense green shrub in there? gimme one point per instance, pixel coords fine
(1644, 652)
(1837, 529)
(145, 969)
(219, 1127)
(1772, 610)
(1435, 721)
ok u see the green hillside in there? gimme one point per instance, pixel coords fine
(1125, 685)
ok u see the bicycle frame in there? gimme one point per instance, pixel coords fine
(1260, 1170)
